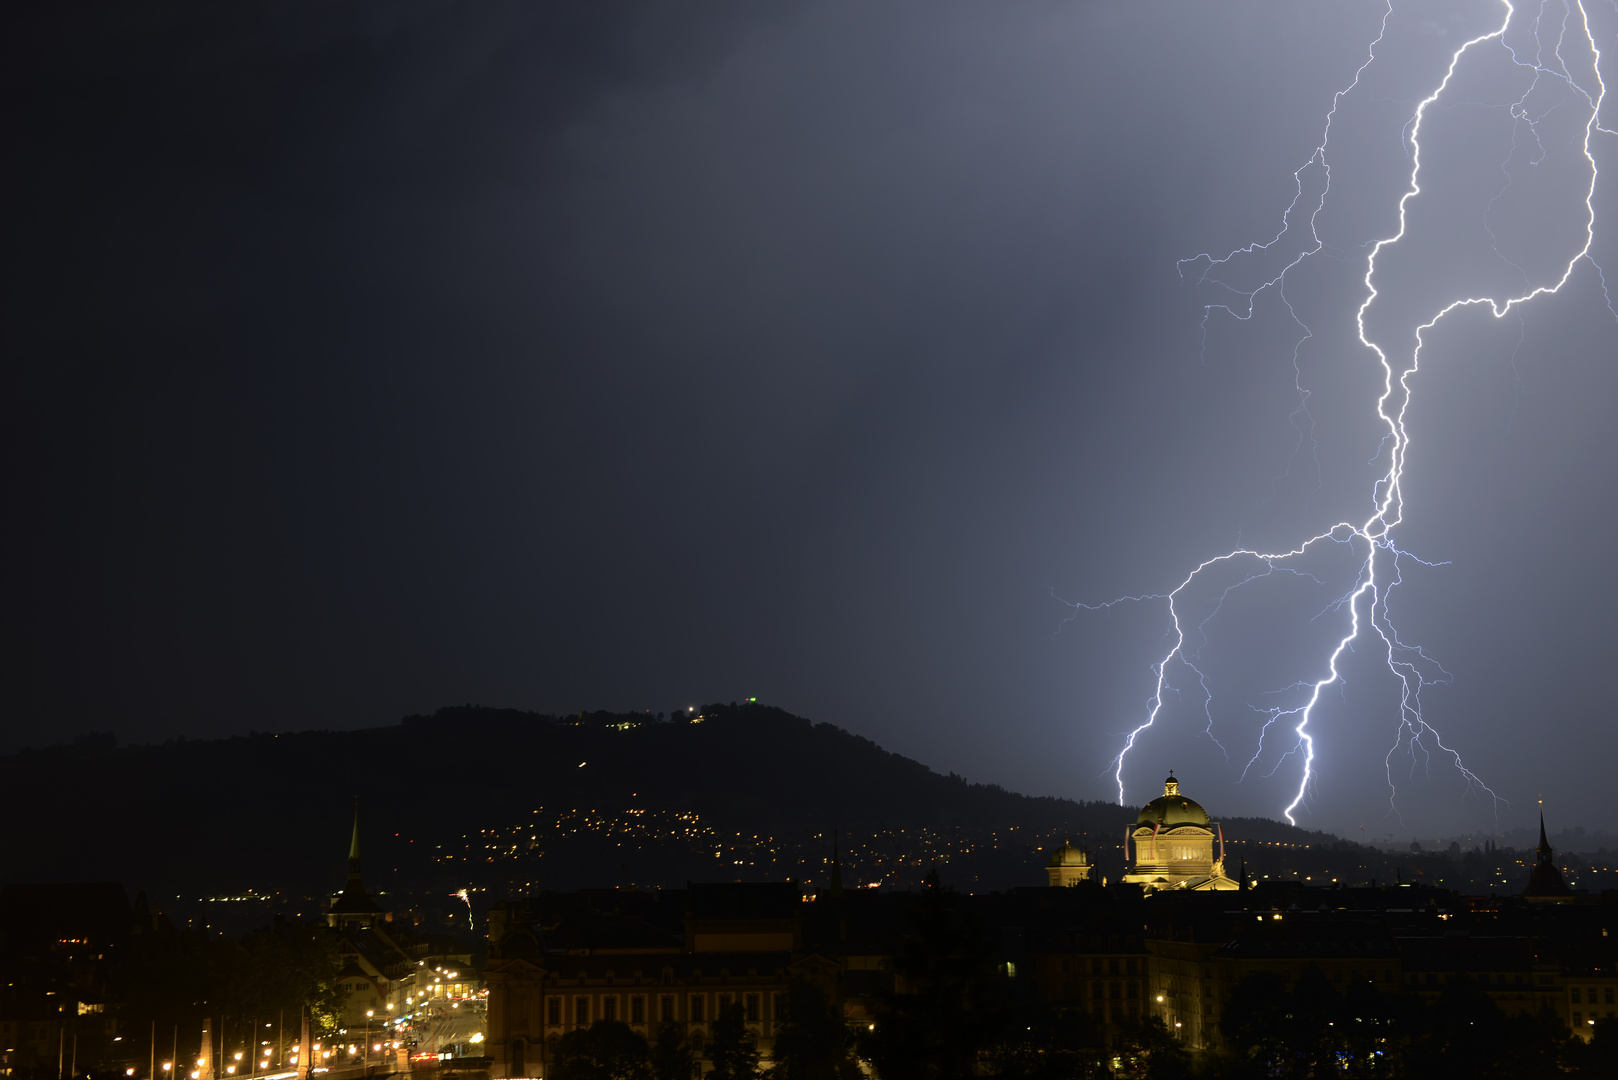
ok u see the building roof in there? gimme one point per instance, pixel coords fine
(744, 900)
(1171, 808)
(1068, 855)
(352, 902)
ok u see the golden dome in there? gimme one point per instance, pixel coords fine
(1068, 855)
(1171, 808)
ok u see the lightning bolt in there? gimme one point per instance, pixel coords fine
(1380, 561)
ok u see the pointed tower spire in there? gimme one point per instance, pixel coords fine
(1545, 881)
(353, 904)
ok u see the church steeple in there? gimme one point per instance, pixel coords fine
(353, 904)
(1545, 882)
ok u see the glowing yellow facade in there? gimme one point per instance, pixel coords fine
(1176, 846)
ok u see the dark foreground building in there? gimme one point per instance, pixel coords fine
(1123, 957)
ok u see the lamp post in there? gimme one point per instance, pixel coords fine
(367, 1047)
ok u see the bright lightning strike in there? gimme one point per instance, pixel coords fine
(1379, 559)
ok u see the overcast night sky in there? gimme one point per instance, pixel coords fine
(366, 358)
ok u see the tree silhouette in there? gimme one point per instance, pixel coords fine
(1040, 1044)
(947, 1005)
(731, 1049)
(813, 1042)
(606, 1050)
(672, 1057)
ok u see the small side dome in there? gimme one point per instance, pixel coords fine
(1068, 855)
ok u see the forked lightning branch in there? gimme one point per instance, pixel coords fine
(1563, 50)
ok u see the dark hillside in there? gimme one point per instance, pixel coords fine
(499, 799)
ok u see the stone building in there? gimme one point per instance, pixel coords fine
(681, 956)
(1176, 847)
(1069, 866)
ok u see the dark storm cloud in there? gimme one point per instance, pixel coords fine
(369, 358)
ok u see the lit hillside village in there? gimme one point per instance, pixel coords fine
(1166, 943)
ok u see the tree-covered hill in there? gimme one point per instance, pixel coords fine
(497, 798)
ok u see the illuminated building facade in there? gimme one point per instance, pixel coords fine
(642, 964)
(1068, 866)
(1176, 847)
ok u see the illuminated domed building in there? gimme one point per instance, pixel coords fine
(1069, 866)
(1174, 846)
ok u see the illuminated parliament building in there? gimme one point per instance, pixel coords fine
(1174, 846)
